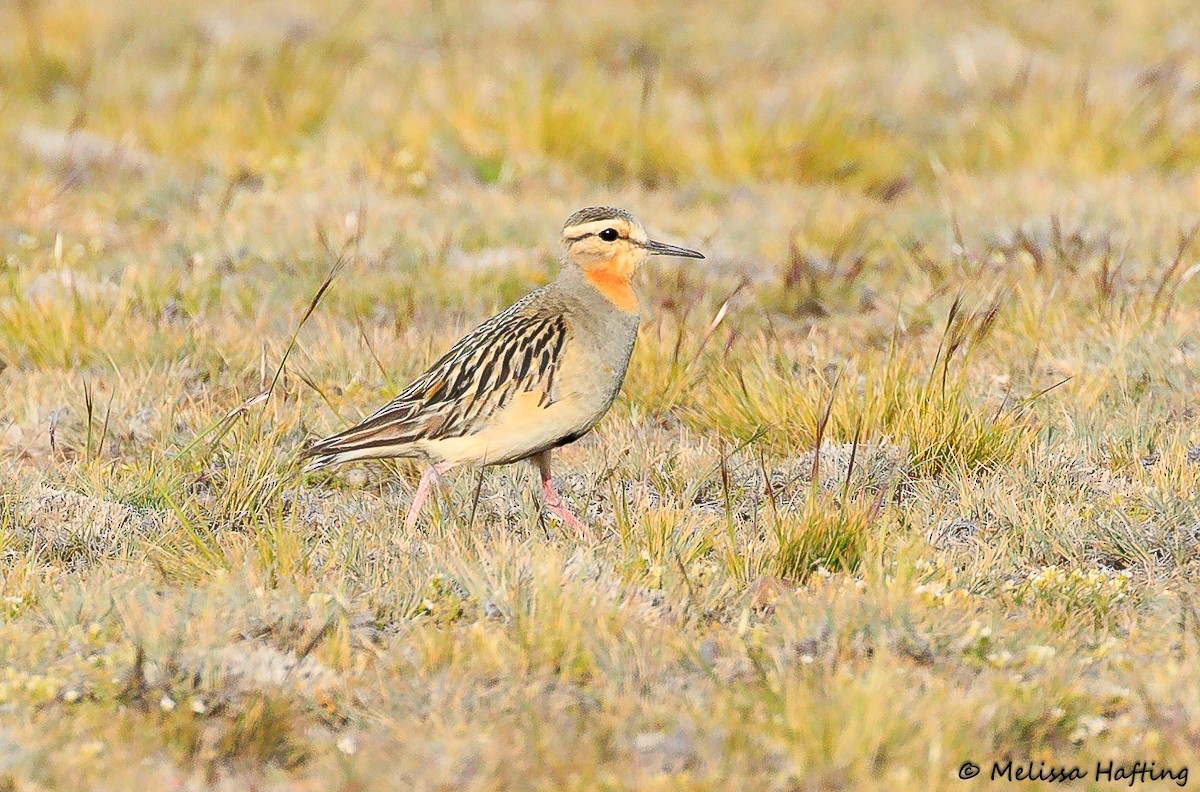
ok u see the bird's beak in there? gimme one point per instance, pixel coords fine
(663, 249)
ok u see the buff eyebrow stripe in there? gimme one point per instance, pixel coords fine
(593, 233)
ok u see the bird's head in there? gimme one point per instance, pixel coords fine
(609, 245)
(612, 241)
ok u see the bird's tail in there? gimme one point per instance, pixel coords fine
(333, 451)
(347, 447)
(318, 461)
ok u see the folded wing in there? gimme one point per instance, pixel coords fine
(519, 350)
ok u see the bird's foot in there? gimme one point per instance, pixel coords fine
(429, 480)
(558, 508)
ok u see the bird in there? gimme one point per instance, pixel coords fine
(535, 377)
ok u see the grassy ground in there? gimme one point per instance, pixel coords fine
(953, 245)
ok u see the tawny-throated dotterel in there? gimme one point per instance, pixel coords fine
(533, 378)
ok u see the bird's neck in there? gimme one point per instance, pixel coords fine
(613, 279)
(614, 286)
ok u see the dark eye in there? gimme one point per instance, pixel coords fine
(609, 235)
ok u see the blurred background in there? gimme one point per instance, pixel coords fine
(751, 116)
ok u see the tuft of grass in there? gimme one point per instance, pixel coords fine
(825, 533)
(264, 732)
(945, 430)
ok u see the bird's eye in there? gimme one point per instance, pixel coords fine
(609, 235)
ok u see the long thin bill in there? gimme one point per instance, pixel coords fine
(663, 249)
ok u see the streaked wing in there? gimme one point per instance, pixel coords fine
(519, 350)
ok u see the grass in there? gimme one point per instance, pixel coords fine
(902, 475)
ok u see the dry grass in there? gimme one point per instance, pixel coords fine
(951, 245)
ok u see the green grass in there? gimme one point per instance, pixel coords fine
(903, 474)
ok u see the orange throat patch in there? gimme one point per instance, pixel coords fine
(614, 284)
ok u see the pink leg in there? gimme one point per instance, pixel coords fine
(550, 494)
(429, 478)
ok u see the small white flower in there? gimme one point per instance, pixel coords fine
(1040, 654)
(166, 703)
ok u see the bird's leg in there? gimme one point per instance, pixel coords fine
(550, 494)
(429, 478)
